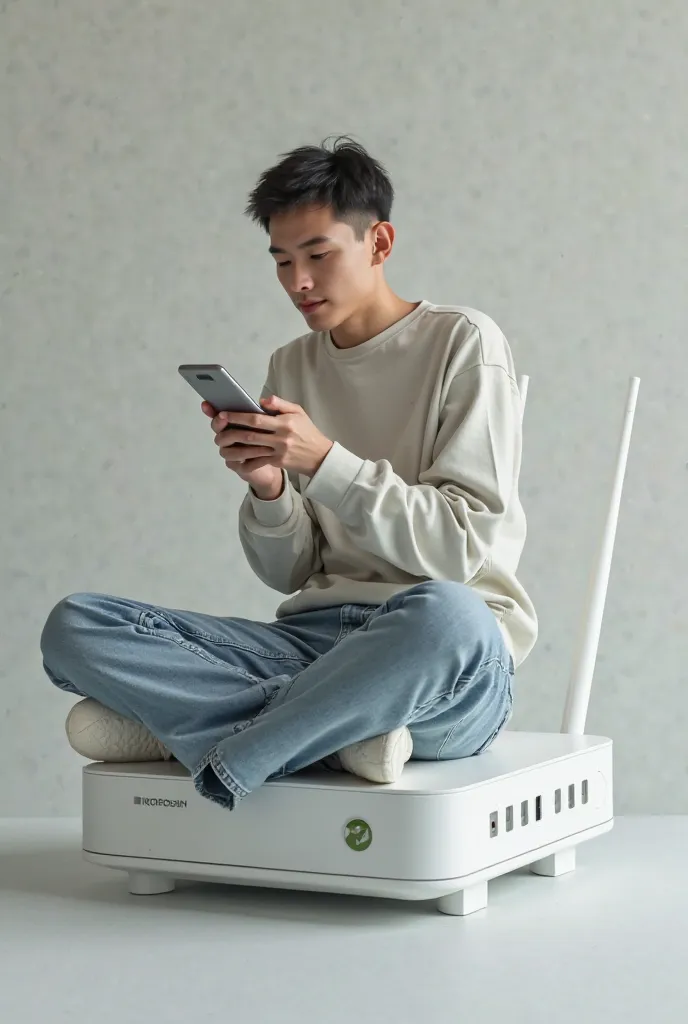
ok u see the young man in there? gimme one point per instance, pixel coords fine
(384, 499)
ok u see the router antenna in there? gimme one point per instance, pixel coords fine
(580, 684)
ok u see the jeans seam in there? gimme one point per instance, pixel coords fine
(343, 630)
(180, 642)
(347, 628)
(210, 658)
(262, 652)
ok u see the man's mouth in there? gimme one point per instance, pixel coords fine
(310, 307)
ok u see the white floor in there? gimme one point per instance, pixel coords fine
(604, 944)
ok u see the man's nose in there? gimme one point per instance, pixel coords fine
(301, 280)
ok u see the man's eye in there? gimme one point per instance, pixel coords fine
(319, 255)
(285, 263)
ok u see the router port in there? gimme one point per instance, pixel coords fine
(524, 812)
(538, 808)
(510, 818)
(494, 819)
(557, 801)
(572, 796)
(584, 791)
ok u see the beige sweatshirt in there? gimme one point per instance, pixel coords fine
(422, 480)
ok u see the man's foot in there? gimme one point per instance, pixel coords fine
(99, 734)
(380, 759)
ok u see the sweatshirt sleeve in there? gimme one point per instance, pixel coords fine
(443, 526)
(281, 540)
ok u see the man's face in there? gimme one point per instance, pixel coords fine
(325, 270)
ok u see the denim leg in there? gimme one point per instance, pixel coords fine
(431, 658)
(191, 679)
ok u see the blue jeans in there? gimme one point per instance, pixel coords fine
(239, 702)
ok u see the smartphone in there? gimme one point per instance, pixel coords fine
(215, 385)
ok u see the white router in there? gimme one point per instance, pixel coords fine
(441, 832)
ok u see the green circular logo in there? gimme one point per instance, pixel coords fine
(358, 835)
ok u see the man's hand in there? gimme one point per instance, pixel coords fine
(266, 481)
(293, 441)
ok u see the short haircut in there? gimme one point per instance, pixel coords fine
(341, 175)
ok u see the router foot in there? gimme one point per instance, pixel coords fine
(149, 883)
(556, 864)
(465, 901)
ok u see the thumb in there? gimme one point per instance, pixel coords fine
(276, 404)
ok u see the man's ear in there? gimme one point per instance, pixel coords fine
(383, 240)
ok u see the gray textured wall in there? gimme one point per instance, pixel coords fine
(539, 153)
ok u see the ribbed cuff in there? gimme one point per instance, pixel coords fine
(277, 512)
(334, 477)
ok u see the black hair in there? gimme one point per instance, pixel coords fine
(343, 176)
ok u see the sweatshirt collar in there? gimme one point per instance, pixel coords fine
(366, 347)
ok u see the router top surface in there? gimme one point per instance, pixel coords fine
(511, 752)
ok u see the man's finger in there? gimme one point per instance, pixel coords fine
(252, 421)
(219, 422)
(253, 464)
(279, 404)
(245, 437)
(237, 438)
(242, 453)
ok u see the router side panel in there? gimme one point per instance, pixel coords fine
(287, 828)
(530, 810)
